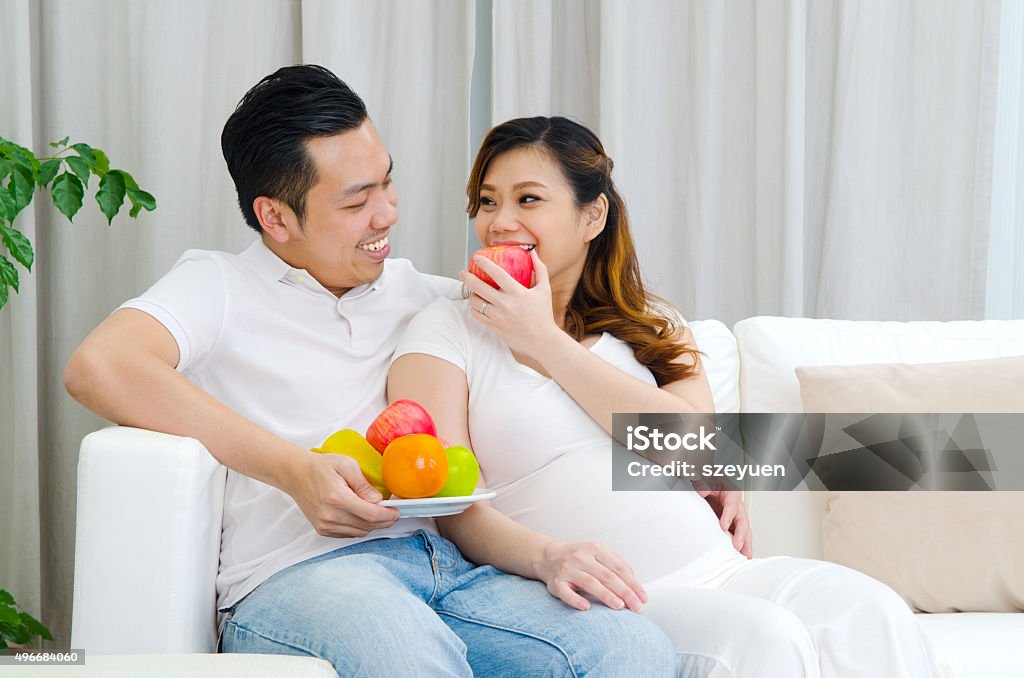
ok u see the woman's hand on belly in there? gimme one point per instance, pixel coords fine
(570, 570)
(732, 516)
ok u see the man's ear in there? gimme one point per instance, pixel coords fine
(597, 215)
(273, 216)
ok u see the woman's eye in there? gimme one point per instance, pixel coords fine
(486, 201)
(529, 198)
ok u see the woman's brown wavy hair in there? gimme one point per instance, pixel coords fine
(610, 296)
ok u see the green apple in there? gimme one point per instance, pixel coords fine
(463, 472)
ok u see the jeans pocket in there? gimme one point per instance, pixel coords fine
(228, 613)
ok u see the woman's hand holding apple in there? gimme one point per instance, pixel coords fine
(521, 317)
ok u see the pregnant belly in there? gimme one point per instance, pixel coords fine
(654, 532)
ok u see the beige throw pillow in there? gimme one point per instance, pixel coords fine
(942, 551)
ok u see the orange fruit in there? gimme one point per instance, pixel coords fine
(415, 466)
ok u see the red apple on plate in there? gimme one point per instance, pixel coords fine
(514, 259)
(400, 418)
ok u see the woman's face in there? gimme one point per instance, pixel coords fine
(525, 200)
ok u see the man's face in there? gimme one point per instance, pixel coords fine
(343, 240)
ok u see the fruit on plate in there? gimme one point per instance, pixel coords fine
(463, 472)
(415, 466)
(400, 418)
(351, 444)
(512, 258)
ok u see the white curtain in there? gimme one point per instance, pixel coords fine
(411, 61)
(20, 465)
(1005, 288)
(823, 159)
(152, 84)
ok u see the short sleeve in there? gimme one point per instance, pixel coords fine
(444, 287)
(438, 330)
(190, 302)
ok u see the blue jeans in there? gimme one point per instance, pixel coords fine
(413, 606)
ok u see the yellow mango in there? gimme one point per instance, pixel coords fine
(352, 444)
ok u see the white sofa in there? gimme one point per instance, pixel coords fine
(149, 505)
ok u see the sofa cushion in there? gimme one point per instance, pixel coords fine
(770, 348)
(942, 551)
(721, 362)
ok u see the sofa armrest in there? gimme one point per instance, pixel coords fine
(147, 543)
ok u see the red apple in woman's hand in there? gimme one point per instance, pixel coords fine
(400, 418)
(514, 259)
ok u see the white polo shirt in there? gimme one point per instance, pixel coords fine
(271, 343)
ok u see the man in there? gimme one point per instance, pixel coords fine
(261, 355)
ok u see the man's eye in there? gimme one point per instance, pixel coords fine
(356, 208)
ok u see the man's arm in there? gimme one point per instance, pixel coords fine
(125, 371)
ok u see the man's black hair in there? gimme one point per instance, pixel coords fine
(264, 140)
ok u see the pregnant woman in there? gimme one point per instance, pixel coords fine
(529, 379)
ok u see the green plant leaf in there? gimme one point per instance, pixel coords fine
(101, 164)
(23, 185)
(86, 152)
(3, 302)
(7, 207)
(8, 275)
(22, 156)
(62, 142)
(140, 200)
(8, 615)
(129, 180)
(67, 194)
(80, 167)
(20, 635)
(5, 168)
(18, 245)
(34, 626)
(47, 172)
(111, 194)
(5, 596)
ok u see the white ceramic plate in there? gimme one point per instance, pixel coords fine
(432, 507)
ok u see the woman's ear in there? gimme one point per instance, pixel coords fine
(271, 215)
(596, 215)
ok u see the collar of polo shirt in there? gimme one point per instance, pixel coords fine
(279, 269)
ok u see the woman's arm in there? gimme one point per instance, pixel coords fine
(485, 535)
(522, 318)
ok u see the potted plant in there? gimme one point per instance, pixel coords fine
(65, 175)
(17, 627)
